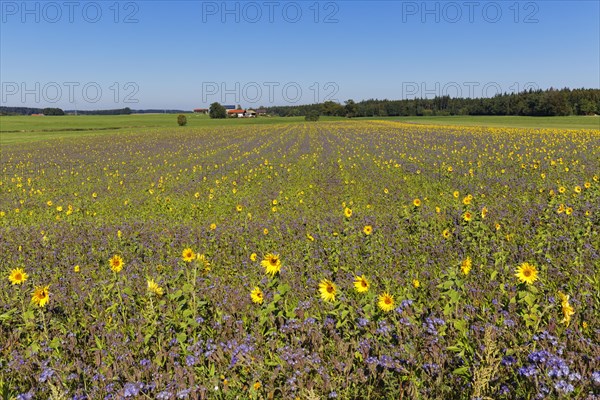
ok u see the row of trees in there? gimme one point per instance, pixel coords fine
(551, 102)
(4, 110)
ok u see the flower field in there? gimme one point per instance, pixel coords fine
(349, 260)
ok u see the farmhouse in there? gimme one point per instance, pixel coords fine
(241, 113)
(201, 110)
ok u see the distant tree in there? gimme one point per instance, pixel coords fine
(217, 111)
(312, 116)
(586, 107)
(181, 120)
(350, 108)
(53, 111)
(332, 108)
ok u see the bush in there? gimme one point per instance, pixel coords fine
(181, 120)
(312, 116)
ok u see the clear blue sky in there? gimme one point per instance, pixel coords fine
(188, 54)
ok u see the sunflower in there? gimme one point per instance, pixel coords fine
(154, 288)
(466, 200)
(416, 283)
(567, 309)
(202, 259)
(17, 276)
(446, 233)
(468, 216)
(569, 210)
(188, 255)
(465, 266)
(361, 284)
(484, 212)
(239, 208)
(40, 295)
(386, 302)
(327, 289)
(310, 237)
(368, 229)
(116, 263)
(417, 202)
(257, 295)
(76, 268)
(347, 212)
(213, 226)
(253, 256)
(271, 263)
(527, 273)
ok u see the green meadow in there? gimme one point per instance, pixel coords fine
(14, 129)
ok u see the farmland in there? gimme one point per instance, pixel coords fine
(338, 259)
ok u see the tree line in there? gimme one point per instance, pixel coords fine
(550, 102)
(57, 111)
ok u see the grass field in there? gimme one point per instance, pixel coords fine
(15, 129)
(277, 259)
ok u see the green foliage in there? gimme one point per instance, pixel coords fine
(312, 116)
(181, 120)
(217, 111)
(53, 111)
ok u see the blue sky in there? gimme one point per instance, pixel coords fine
(188, 54)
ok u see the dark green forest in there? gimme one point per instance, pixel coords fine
(551, 102)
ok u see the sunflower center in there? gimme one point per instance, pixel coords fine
(330, 289)
(527, 273)
(18, 276)
(273, 261)
(363, 284)
(387, 301)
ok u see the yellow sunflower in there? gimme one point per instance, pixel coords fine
(527, 273)
(40, 295)
(468, 216)
(17, 276)
(567, 309)
(347, 212)
(154, 288)
(368, 229)
(271, 263)
(257, 295)
(361, 284)
(328, 290)
(386, 302)
(116, 263)
(253, 256)
(417, 202)
(465, 266)
(188, 255)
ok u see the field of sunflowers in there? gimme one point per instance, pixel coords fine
(348, 260)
